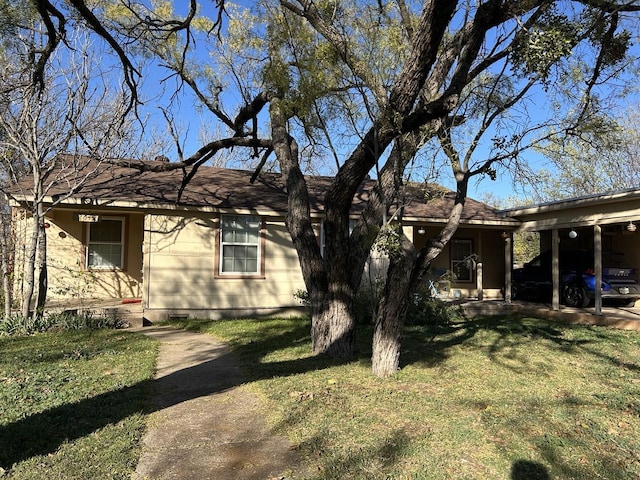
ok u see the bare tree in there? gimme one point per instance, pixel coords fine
(73, 110)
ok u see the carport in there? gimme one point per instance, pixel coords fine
(605, 222)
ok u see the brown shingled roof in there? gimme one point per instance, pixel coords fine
(226, 189)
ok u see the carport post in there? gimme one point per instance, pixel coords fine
(597, 261)
(555, 269)
(508, 265)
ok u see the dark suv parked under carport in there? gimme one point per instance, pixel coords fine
(577, 278)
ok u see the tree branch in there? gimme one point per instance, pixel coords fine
(263, 161)
(249, 111)
(600, 62)
(341, 44)
(54, 35)
(129, 71)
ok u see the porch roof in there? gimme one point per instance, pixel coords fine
(619, 206)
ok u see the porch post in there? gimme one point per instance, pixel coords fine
(597, 261)
(146, 261)
(479, 273)
(508, 267)
(555, 269)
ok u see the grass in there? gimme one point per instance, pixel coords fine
(73, 403)
(491, 398)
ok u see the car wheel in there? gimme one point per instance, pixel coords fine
(575, 296)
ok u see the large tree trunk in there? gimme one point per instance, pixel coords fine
(298, 221)
(403, 277)
(334, 329)
(342, 283)
(330, 283)
(392, 309)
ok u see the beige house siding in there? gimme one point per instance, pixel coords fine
(180, 261)
(171, 262)
(66, 250)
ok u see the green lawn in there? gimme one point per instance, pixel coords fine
(73, 404)
(492, 398)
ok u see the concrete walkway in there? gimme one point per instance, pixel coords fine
(205, 426)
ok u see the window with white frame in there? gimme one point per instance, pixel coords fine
(105, 241)
(240, 244)
(462, 259)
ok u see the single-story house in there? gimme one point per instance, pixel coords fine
(220, 249)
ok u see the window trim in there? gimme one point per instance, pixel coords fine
(454, 262)
(123, 257)
(260, 274)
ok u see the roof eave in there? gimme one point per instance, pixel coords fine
(507, 222)
(577, 202)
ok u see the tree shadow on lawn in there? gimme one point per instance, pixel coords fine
(528, 470)
(508, 345)
(373, 459)
(44, 432)
(430, 345)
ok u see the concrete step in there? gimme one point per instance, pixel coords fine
(129, 312)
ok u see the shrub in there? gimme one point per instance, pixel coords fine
(17, 325)
(423, 310)
(366, 304)
(85, 320)
(302, 296)
(426, 310)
